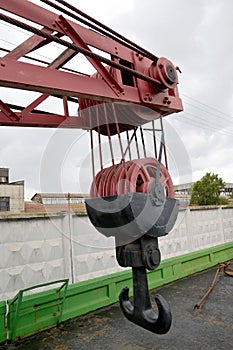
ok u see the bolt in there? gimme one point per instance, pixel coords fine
(145, 98)
(150, 98)
(155, 257)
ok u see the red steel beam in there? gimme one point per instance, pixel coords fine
(41, 120)
(7, 113)
(50, 81)
(27, 46)
(76, 38)
(24, 76)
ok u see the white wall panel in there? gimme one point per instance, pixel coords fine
(39, 249)
(32, 252)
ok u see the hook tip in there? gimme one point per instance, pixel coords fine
(164, 314)
(125, 304)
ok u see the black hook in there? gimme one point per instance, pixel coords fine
(141, 313)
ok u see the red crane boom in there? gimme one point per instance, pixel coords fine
(135, 75)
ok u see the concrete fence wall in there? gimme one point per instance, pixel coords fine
(36, 249)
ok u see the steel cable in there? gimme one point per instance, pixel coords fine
(77, 48)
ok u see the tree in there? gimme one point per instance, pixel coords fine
(207, 190)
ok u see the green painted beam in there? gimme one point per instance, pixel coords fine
(185, 265)
(3, 333)
(41, 310)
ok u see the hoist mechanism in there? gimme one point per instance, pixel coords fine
(120, 103)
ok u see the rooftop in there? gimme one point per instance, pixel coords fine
(59, 195)
(209, 327)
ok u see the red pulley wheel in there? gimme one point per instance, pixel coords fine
(131, 176)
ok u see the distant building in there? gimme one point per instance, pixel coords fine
(11, 193)
(56, 202)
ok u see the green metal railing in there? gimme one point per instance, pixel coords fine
(25, 316)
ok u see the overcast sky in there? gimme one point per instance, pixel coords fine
(196, 35)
